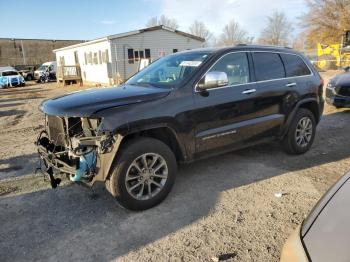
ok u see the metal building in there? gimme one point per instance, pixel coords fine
(114, 58)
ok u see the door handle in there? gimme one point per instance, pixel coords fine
(291, 84)
(249, 91)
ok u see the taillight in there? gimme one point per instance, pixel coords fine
(320, 87)
(321, 82)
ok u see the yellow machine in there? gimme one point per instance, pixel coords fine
(335, 55)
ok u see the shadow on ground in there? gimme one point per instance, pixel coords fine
(18, 165)
(72, 223)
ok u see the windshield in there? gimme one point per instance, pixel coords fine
(9, 73)
(170, 70)
(42, 68)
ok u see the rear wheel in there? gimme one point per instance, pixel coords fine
(143, 175)
(301, 132)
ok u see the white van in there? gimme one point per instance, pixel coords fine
(51, 66)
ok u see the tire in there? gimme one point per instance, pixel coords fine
(29, 77)
(294, 145)
(125, 174)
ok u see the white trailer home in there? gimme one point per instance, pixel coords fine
(114, 58)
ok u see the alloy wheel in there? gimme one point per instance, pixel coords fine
(146, 176)
(303, 132)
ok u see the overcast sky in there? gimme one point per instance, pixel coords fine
(68, 19)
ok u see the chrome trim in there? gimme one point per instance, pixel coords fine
(255, 82)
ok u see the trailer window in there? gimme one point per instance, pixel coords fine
(147, 53)
(136, 54)
(131, 55)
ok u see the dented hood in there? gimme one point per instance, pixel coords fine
(87, 102)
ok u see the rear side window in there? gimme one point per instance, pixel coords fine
(295, 66)
(268, 66)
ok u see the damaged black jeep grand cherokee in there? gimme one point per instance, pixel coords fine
(183, 107)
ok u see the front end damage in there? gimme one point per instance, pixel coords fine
(75, 147)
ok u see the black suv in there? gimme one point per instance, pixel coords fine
(182, 107)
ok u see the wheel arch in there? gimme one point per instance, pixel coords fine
(310, 104)
(164, 133)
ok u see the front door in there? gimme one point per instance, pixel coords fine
(224, 116)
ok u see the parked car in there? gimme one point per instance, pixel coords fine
(338, 90)
(26, 71)
(181, 108)
(50, 67)
(10, 78)
(325, 233)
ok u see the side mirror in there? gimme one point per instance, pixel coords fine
(213, 79)
(347, 69)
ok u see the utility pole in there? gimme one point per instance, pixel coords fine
(23, 53)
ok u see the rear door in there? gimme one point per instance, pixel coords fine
(276, 91)
(296, 68)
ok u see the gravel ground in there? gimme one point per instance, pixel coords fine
(224, 205)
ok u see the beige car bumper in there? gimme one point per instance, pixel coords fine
(293, 250)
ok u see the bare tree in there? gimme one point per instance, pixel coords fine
(232, 34)
(277, 30)
(163, 20)
(325, 20)
(198, 28)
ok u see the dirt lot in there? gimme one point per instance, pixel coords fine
(222, 205)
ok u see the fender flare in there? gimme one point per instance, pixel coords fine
(156, 126)
(122, 135)
(291, 115)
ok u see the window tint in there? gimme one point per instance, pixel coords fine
(294, 65)
(268, 66)
(236, 67)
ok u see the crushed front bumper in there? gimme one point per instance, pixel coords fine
(54, 164)
(64, 161)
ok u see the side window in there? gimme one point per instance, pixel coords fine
(131, 56)
(294, 65)
(147, 53)
(236, 67)
(268, 66)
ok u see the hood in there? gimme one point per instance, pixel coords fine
(341, 80)
(87, 102)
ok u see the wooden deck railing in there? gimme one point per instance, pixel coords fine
(69, 73)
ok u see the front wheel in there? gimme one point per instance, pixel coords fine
(143, 174)
(301, 132)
